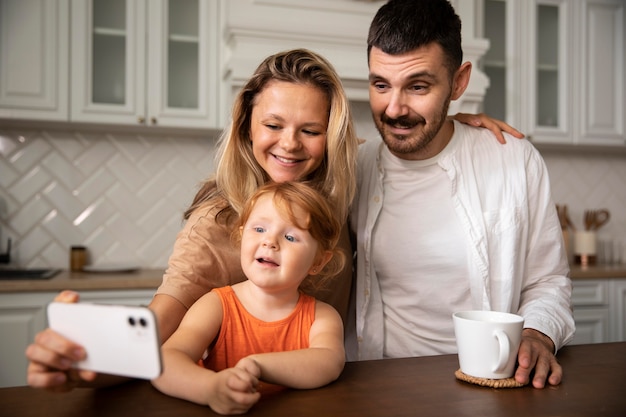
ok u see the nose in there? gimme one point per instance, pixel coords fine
(270, 243)
(289, 140)
(397, 105)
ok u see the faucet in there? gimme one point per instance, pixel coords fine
(5, 258)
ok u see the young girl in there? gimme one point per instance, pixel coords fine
(265, 328)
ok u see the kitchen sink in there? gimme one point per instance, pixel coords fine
(25, 274)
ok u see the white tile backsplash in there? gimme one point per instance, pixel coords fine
(122, 195)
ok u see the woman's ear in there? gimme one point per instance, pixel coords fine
(320, 262)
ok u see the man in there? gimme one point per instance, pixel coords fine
(446, 218)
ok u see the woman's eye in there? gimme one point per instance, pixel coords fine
(311, 133)
(272, 127)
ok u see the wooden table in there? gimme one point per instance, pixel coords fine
(594, 385)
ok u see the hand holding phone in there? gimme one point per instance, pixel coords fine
(119, 340)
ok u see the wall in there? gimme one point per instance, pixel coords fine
(122, 195)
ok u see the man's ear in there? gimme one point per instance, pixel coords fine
(320, 262)
(461, 80)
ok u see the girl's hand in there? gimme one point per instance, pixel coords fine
(234, 390)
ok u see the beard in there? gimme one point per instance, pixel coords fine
(421, 136)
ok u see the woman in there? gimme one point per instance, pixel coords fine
(290, 122)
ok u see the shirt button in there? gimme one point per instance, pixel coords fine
(376, 199)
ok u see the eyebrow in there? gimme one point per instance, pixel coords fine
(415, 76)
(281, 119)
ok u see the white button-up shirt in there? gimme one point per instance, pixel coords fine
(517, 261)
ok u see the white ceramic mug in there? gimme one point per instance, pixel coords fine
(487, 342)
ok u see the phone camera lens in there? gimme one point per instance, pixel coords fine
(143, 322)
(131, 321)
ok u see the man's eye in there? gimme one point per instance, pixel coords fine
(290, 238)
(380, 86)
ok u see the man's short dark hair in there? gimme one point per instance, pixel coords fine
(401, 26)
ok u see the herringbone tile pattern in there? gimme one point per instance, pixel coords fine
(120, 195)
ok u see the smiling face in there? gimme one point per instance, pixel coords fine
(275, 253)
(288, 130)
(409, 95)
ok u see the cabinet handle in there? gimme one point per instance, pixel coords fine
(141, 120)
(153, 120)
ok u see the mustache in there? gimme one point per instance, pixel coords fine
(406, 122)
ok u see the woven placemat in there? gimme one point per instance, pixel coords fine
(486, 382)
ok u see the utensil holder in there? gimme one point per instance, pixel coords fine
(585, 252)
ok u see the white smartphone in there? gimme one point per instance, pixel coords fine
(119, 340)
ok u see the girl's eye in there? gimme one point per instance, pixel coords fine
(258, 229)
(290, 238)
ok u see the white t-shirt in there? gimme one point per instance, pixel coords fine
(430, 245)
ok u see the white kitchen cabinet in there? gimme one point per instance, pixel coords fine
(599, 310)
(138, 62)
(23, 315)
(618, 310)
(34, 41)
(556, 68)
(590, 300)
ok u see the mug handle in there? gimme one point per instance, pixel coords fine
(503, 357)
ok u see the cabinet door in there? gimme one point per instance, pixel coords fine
(108, 61)
(618, 310)
(34, 40)
(548, 108)
(592, 325)
(182, 75)
(22, 316)
(556, 68)
(590, 301)
(501, 63)
(601, 64)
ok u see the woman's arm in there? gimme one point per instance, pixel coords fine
(495, 125)
(315, 366)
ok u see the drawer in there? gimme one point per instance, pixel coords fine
(591, 292)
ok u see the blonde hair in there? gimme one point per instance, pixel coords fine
(238, 174)
(319, 220)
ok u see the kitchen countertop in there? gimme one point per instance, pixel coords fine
(597, 271)
(151, 279)
(87, 281)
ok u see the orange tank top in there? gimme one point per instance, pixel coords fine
(242, 334)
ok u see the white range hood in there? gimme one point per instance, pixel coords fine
(337, 29)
